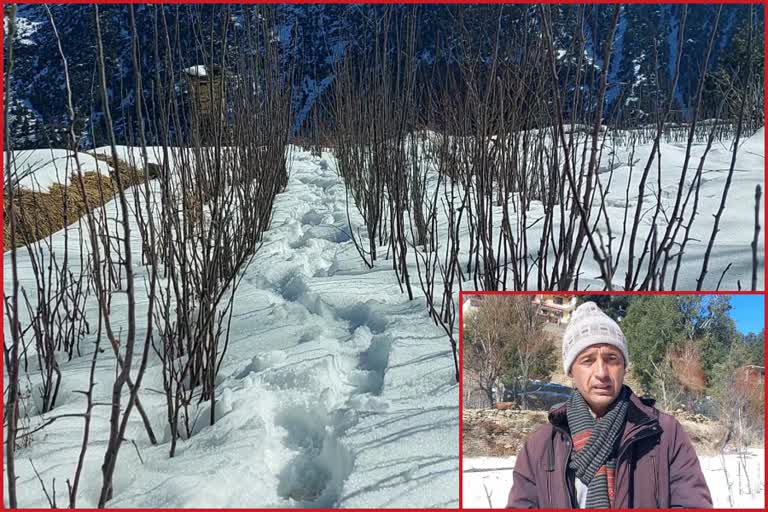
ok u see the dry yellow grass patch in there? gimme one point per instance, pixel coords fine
(38, 214)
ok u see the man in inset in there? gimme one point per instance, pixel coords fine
(605, 447)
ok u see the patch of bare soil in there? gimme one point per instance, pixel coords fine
(494, 433)
(706, 434)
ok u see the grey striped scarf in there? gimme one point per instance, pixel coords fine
(595, 443)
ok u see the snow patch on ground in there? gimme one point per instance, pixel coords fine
(623, 169)
(335, 391)
(486, 481)
(38, 169)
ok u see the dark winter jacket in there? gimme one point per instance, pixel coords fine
(657, 466)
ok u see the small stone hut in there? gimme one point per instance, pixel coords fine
(206, 97)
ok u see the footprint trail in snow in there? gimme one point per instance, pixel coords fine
(336, 390)
(365, 387)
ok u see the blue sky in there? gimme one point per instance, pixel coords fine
(748, 312)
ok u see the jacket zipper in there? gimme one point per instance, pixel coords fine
(653, 432)
(655, 481)
(565, 466)
(550, 469)
(549, 493)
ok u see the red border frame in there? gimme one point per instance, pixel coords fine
(448, 2)
(461, 293)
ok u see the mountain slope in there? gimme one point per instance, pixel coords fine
(320, 35)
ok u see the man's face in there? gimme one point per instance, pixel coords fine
(598, 374)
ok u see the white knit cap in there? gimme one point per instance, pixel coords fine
(590, 326)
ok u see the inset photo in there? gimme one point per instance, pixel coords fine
(613, 400)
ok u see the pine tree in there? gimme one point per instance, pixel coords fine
(652, 326)
(728, 82)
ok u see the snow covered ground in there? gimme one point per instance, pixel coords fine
(335, 391)
(732, 245)
(486, 481)
(620, 171)
(38, 169)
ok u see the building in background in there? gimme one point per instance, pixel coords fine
(471, 303)
(206, 87)
(556, 309)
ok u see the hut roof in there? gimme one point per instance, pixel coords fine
(201, 71)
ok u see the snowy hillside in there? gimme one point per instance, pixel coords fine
(321, 33)
(335, 391)
(619, 173)
(488, 479)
